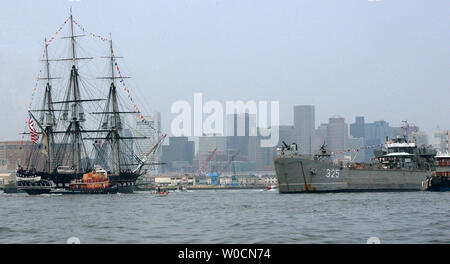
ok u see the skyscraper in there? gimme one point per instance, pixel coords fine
(337, 134)
(206, 144)
(178, 154)
(240, 128)
(357, 129)
(378, 131)
(304, 125)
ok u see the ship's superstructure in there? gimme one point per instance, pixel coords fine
(83, 128)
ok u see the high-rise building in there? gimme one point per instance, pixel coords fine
(206, 144)
(241, 136)
(375, 135)
(337, 134)
(304, 125)
(378, 131)
(242, 124)
(178, 154)
(357, 129)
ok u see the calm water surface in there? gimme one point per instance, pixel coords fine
(226, 216)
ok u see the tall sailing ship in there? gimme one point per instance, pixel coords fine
(79, 130)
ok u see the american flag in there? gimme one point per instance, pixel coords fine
(33, 132)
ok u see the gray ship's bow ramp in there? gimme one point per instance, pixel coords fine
(297, 174)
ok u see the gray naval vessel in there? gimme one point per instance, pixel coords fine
(398, 166)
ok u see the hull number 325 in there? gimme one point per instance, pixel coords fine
(332, 173)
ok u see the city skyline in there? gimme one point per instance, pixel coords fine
(229, 126)
(369, 64)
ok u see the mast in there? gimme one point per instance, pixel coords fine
(112, 122)
(49, 116)
(116, 124)
(76, 116)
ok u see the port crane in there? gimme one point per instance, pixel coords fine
(231, 161)
(205, 163)
(234, 180)
(228, 163)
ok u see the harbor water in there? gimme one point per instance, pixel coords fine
(226, 216)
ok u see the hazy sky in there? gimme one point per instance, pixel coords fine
(384, 60)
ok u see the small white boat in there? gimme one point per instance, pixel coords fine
(271, 188)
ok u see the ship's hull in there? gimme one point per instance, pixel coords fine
(124, 182)
(109, 190)
(437, 184)
(439, 189)
(37, 191)
(10, 188)
(34, 186)
(300, 174)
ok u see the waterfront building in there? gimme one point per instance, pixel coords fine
(13, 153)
(5, 175)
